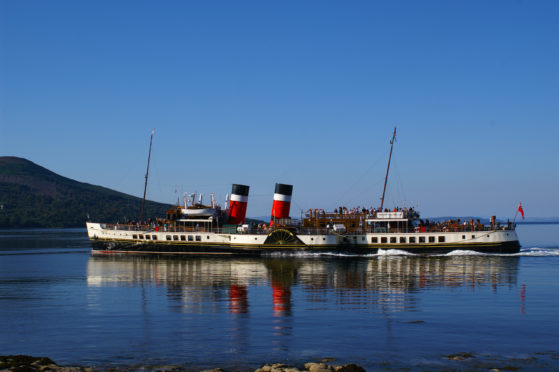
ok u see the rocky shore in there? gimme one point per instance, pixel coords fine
(25, 363)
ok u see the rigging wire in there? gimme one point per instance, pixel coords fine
(343, 199)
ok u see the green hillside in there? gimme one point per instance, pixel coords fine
(33, 196)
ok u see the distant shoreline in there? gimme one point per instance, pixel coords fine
(538, 223)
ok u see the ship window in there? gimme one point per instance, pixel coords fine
(141, 236)
(312, 238)
(190, 238)
(473, 236)
(383, 239)
(154, 237)
(374, 239)
(147, 237)
(175, 237)
(183, 237)
(422, 239)
(208, 237)
(441, 239)
(412, 239)
(363, 238)
(431, 239)
(402, 239)
(463, 236)
(134, 236)
(393, 239)
(168, 237)
(198, 238)
(323, 238)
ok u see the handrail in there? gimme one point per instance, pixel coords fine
(303, 230)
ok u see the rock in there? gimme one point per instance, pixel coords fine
(350, 368)
(278, 367)
(318, 367)
(48, 367)
(459, 356)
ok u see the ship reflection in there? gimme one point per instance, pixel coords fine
(388, 284)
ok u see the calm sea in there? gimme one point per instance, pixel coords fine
(382, 312)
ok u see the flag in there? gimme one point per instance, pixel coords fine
(521, 210)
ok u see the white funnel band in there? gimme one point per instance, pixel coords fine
(239, 198)
(282, 198)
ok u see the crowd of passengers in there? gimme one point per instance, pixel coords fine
(371, 211)
(459, 225)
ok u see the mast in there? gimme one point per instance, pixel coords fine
(147, 175)
(388, 168)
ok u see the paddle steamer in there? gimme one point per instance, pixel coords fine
(198, 228)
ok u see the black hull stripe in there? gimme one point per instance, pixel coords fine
(225, 248)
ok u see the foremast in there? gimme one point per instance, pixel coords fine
(387, 168)
(147, 175)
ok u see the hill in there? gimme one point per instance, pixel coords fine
(33, 196)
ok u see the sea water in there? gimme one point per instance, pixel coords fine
(387, 311)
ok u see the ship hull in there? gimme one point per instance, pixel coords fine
(114, 241)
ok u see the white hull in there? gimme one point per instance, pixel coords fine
(121, 239)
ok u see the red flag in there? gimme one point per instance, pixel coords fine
(521, 210)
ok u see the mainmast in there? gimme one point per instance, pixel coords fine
(147, 175)
(388, 168)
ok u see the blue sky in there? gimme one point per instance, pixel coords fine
(298, 92)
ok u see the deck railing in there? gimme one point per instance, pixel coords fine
(307, 230)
